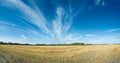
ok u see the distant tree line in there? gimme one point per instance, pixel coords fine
(75, 43)
(11, 43)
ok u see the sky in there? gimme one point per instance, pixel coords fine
(60, 21)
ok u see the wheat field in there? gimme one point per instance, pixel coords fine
(60, 54)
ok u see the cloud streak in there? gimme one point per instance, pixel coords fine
(57, 23)
(100, 2)
(89, 35)
(64, 19)
(113, 30)
(29, 14)
(59, 29)
(61, 24)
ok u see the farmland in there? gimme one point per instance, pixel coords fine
(60, 54)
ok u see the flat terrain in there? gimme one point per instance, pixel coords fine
(60, 54)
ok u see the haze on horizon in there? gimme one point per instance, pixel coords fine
(60, 21)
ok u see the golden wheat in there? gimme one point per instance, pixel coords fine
(60, 54)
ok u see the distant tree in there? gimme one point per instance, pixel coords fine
(10, 43)
(75, 43)
(1, 42)
(78, 43)
(41, 44)
(26, 44)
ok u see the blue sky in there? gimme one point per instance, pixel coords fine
(60, 21)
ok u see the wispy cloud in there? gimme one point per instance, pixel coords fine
(89, 35)
(61, 24)
(58, 30)
(64, 20)
(113, 30)
(97, 2)
(4, 25)
(23, 37)
(29, 14)
(100, 2)
(57, 23)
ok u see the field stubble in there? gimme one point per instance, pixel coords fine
(60, 54)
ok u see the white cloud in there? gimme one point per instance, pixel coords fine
(35, 16)
(29, 14)
(103, 3)
(97, 2)
(89, 35)
(57, 23)
(13, 25)
(100, 2)
(113, 30)
(5, 25)
(23, 37)
(61, 24)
